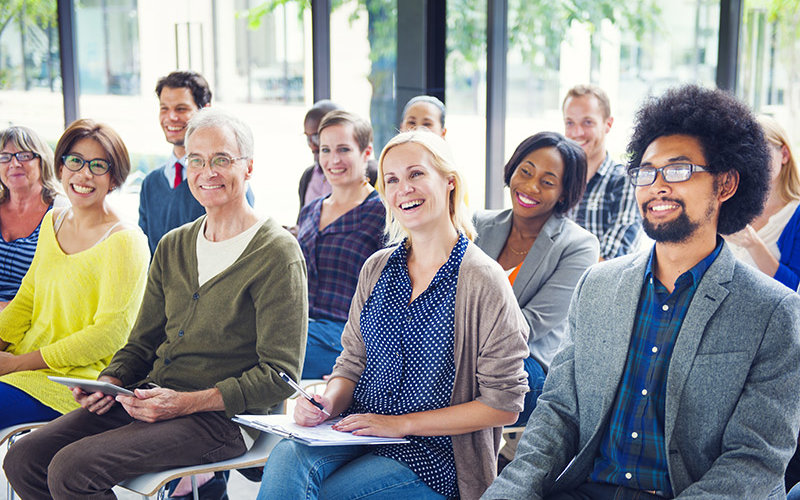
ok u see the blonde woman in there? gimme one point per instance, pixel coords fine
(433, 351)
(78, 301)
(771, 242)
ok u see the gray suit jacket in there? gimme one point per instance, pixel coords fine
(732, 412)
(559, 256)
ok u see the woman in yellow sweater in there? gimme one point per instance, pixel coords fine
(83, 290)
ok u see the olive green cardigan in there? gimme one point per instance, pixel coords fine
(235, 333)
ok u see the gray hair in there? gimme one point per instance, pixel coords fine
(217, 118)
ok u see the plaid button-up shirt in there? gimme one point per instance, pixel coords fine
(609, 211)
(334, 256)
(633, 450)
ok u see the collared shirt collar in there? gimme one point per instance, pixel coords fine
(169, 167)
(695, 273)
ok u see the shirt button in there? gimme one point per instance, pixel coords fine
(408, 318)
(180, 333)
(644, 392)
(665, 307)
(167, 361)
(634, 435)
(195, 296)
(628, 475)
(654, 349)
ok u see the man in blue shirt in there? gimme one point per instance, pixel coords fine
(680, 370)
(165, 201)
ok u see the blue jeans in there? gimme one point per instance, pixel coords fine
(323, 347)
(535, 382)
(297, 471)
(794, 493)
(18, 407)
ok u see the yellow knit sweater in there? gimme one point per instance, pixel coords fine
(76, 309)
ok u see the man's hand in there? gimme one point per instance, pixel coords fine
(154, 405)
(96, 402)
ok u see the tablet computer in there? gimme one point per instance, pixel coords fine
(91, 386)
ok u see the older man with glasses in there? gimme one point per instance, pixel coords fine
(224, 312)
(679, 375)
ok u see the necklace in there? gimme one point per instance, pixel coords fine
(521, 237)
(516, 252)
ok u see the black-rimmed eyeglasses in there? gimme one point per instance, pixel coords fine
(19, 155)
(674, 172)
(98, 166)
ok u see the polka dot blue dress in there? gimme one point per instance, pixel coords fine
(410, 365)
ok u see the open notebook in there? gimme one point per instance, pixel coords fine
(321, 435)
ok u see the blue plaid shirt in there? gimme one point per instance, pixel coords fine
(609, 211)
(633, 450)
(334, 256)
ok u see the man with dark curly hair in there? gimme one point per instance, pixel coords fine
(679, 374)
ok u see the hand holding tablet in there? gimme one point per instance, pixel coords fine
(92, 386)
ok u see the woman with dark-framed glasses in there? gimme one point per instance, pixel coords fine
(81, 294)
(28, 188)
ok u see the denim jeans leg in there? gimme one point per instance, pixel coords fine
(376, 477)
(297, 471)
(322, 348)
(536, 377)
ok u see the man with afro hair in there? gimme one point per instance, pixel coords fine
(679, 374)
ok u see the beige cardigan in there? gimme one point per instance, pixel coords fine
(490, 344)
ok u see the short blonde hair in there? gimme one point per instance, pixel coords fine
(789, 177)
(444, 164)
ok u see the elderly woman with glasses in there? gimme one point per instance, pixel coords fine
(28, 187)
(81, 294)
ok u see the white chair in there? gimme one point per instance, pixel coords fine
(154, 483)
(11, 434)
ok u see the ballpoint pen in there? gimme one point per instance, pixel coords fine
(303, 393)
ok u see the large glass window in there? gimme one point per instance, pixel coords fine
(30, 71)
(769, 68)
(465, 92)
(364, 62)
(644, 49)
(253, 54)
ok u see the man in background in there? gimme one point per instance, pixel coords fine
(608, 209)
(165, 201)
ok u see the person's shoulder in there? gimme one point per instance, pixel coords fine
(577, 234)
(759, 286)
(131, 239)
(154, 174)
(477, 267)
(483, 218)
(377, 261)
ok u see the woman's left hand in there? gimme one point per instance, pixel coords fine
(371, 424)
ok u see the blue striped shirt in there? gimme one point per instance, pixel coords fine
(15, 259)
(633, 450)
(334, 256)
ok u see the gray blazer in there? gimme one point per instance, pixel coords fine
(732, 412)
(559, 256)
